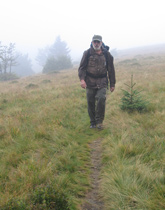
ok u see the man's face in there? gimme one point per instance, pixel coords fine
(96, 45)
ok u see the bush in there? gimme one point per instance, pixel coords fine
(57, 64)
(49, 198)
(8, 76)
(43, 198)
(31, 86)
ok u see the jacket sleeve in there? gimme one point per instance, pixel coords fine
(111, 71)
(83, 66)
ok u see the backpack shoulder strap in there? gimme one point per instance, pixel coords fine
(106, 57)
(88, 54)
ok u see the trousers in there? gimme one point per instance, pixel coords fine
(96, 99)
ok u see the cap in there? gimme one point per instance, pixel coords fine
(97, 37)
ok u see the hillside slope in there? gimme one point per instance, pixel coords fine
(45, 137)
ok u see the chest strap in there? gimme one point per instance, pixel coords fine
(96, 76)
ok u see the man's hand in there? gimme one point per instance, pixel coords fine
(83, 84)
(112, 89)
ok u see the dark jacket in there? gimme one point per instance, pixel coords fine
(93, 69)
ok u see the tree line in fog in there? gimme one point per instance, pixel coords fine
(52, 58)
(14, 62)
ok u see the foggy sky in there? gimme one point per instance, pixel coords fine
(33, 24)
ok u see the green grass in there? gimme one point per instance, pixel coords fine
(44, 144)
(45, 136)
(133, 158)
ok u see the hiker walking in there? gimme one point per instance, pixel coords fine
(96, 67)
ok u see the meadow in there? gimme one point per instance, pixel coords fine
(45, 136)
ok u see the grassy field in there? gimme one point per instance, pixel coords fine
(45, 136)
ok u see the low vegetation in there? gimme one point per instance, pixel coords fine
(132, 100)
(133, 157)
(8, 76)
(45, 136)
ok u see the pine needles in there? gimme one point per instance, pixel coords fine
(132, 100)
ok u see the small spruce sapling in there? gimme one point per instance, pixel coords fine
(132, 100)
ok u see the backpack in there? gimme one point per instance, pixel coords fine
(105, 46)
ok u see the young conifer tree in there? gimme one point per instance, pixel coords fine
(132, 100)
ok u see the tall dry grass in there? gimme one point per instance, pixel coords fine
(44, 135)
(44, 150)
(133, 158)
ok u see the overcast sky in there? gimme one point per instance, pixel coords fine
(33, 24)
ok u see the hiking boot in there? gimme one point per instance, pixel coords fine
(99, 126)
(92, 126)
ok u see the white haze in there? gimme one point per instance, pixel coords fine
(33, 24)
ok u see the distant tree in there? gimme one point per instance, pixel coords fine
(57, 64)
(50, 65)
(43, 55)
(55, 57)
(7, 57)
(12, 56)
(59, 48)
(4, 58)
(63, 62)
(24, 67)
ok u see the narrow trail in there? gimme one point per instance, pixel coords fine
(93, 199)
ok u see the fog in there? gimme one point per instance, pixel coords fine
(34, 24)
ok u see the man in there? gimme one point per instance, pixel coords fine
(94, 65)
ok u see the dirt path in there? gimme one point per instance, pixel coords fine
(93, 199)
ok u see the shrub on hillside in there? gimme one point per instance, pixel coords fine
(43, 198)
(31, 85)
(8, 76)
(57, 64)
(49, 198)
